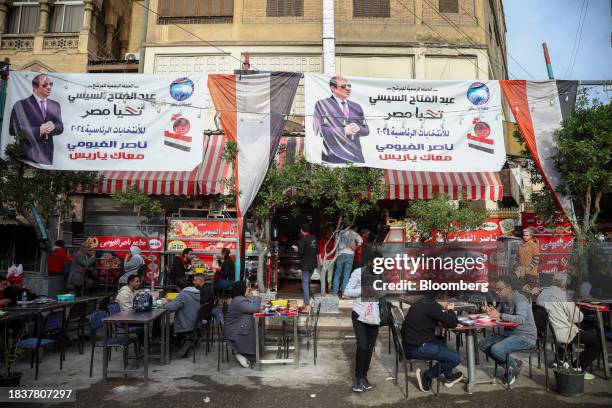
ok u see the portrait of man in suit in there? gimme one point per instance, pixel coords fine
(40, 119)
(340, 122)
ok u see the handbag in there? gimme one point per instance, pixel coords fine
(368, 316)
(383, 306)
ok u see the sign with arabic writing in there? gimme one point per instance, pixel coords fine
(447, 126)
(204, 236)
(106, 121)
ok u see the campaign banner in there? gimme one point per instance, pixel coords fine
(106, 121)
(444, 126)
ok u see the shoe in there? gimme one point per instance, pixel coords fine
(453, 379)
(423, 380)
(516, 371)
(242, 360)
(358, 385)
(182, 352)
(588, 376)
(366, 384)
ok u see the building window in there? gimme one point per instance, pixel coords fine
(371, 8)
(285, 8)
(66, 17)
(195, 11)
(449, 6)
(23, 17)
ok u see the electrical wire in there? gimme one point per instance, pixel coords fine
(571, 69)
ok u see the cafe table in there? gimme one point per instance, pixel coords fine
(470, 332)
(139, 318)
(260, 338)
(599, 309)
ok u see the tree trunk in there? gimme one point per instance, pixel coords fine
(262, 251)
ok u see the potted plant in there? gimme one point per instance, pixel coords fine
(569, 377)
(11, 353)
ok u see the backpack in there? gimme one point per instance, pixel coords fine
(143, 302)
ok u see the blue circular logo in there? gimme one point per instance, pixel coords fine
(181, 89)
(478, 93)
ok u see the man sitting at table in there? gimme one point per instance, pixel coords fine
(513, 307)
(186, 305)
(239, 329)
(125, 297)
(420, 342)
(15, 290)
(564, 316)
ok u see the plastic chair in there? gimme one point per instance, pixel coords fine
(75, 322)
(122, 342)
(52, 326)
(202, 322)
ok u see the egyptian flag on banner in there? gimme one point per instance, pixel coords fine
(253, 110)
(539, 107)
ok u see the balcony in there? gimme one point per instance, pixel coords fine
(17, 42)
(61, 41)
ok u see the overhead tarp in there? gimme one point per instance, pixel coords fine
(106, 121)
(408, 125)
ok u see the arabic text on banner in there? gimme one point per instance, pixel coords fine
(445, 126)
(106, 121)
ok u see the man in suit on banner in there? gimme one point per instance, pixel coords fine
(341, 123)
(40, 118)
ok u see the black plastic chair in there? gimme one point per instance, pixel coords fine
(103, 303)
(201, 324)
(122, 342)
(75, 322)
(51, 332)
(395, 325)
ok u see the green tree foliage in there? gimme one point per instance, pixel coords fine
(445, 217)
(22, 187)
(144, 205)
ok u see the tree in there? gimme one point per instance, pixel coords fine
(347, 192)
(28, 193)
(444, 217)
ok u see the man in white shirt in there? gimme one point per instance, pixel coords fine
(125, 297)
(348, 241)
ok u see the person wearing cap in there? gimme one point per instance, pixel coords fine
(15, 290)
(565, 316)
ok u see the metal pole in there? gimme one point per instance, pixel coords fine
(547, 60)
(143, 38)
(329, 38)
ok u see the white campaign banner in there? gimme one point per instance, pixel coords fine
(445, 126)
(106, 121)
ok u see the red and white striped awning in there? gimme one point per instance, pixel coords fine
(208, 178)
(414, 185)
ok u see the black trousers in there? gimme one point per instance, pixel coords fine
(592, 348)
(366, 335)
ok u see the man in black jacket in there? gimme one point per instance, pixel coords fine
(420, 342)
(308, 250)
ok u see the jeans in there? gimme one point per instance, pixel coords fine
(327, 272)
(344, 263)
(435, 350)
(499, 346)
(366, 335)
(306, 286)
(223, 284)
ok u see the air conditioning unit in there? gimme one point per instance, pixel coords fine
(132, 56)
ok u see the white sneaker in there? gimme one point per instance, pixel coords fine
(588, 376)
(242, 360)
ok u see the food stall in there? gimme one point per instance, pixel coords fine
(206, 236)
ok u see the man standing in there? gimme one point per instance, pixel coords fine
(513, 307)
(40, 119)
(529, 259)
(307, 252)
(348, 241)
(57, 258)
(341, 123)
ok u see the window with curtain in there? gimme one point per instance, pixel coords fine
(66, 17)
(23, 17)
(449, 6)
(285, 8)
(371, 8)
(196, 8)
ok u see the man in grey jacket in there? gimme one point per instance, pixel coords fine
(513, 307)
(82, 262)
(186, 305)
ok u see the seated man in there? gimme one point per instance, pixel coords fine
(420, 342)
(15, 290)
(239, 329)
(564, 317)
(513, 307)
(125, 297)
(186, 305)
